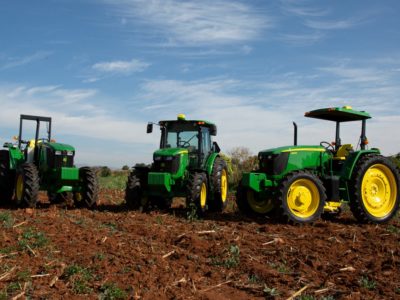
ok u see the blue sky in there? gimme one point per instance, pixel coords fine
(104, 68)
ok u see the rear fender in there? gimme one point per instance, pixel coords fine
(352, 160)
(16, 157)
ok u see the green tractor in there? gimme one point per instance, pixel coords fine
(302, 182)
(188, 164)
(41, 164)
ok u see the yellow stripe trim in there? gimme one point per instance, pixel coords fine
(183, 152)
(305, 150)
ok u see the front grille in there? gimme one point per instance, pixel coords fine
(166, 164)
(57, 161)
(274, 164)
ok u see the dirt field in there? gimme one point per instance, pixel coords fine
(54, 252)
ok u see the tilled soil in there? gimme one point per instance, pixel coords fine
(56, 252)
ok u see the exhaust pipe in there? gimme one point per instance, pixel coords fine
(295, 133)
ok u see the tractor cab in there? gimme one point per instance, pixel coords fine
(187, 164)
(181, 136)
(339, 115)
(41, 150)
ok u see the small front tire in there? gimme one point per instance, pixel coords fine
(197, 192)
(89, 188)
(302, 197)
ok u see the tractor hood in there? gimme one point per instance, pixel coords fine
(60, 147)
(170, 152)
(301, 148)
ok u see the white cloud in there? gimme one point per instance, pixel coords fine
(185, 23)
(331, 25)
(351, 74)
(121, 67)
(302, 39)
(302, 9)
(21, 61)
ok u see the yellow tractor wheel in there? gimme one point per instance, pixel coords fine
(302, 197)
(375, 197)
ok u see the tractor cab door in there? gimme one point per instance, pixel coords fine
(206, 146)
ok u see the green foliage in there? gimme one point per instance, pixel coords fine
(329, 297)
(367, 283)
(393, 229)
(32, 239)
(159, 220)
(305, 297)
(232, 260)
(105, 171)
(7, 219)
(241, 161)
(125, 168)
(3, 295)
(191, 213)
(270, 292)
(112, 292)
(254, 279)
(281, 267)
(116, 181)
(79, 278)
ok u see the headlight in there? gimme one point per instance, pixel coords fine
(157, 158)
(168, 158)
(58, 152)
(70, 153)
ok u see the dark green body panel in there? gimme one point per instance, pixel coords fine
(174, 183)
(54, 180)
(312, 158)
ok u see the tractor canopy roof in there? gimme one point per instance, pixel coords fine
(338, 114)
(181, 120)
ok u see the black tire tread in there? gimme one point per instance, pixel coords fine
(356, 202)
(90, 188)
(217, 205)
(284, 212)
(30, 193)
(7, 177)
(193, 191)
(133, 191)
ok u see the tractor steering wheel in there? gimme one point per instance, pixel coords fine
(328, 146)
(184, 144)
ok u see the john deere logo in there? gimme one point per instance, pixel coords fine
(65, 160)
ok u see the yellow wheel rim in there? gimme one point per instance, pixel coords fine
(224, 186)
(303, 198)
(261, 206)
(379, 190)
(203, 195)
(20, 187)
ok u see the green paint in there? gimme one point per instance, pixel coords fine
(276, 163)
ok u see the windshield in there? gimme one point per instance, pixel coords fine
(180, 135)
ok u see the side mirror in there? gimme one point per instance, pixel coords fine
(149, 127)
(216, 148)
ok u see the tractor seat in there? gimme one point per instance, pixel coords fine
(343, 152)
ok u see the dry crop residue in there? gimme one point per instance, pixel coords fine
(56, 252)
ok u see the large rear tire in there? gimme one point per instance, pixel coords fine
(7, 178)
(89, 193)
(134, 197)
(375, 190)
(27, 185)
(220, 184)
(197, 192)
(302, 197)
